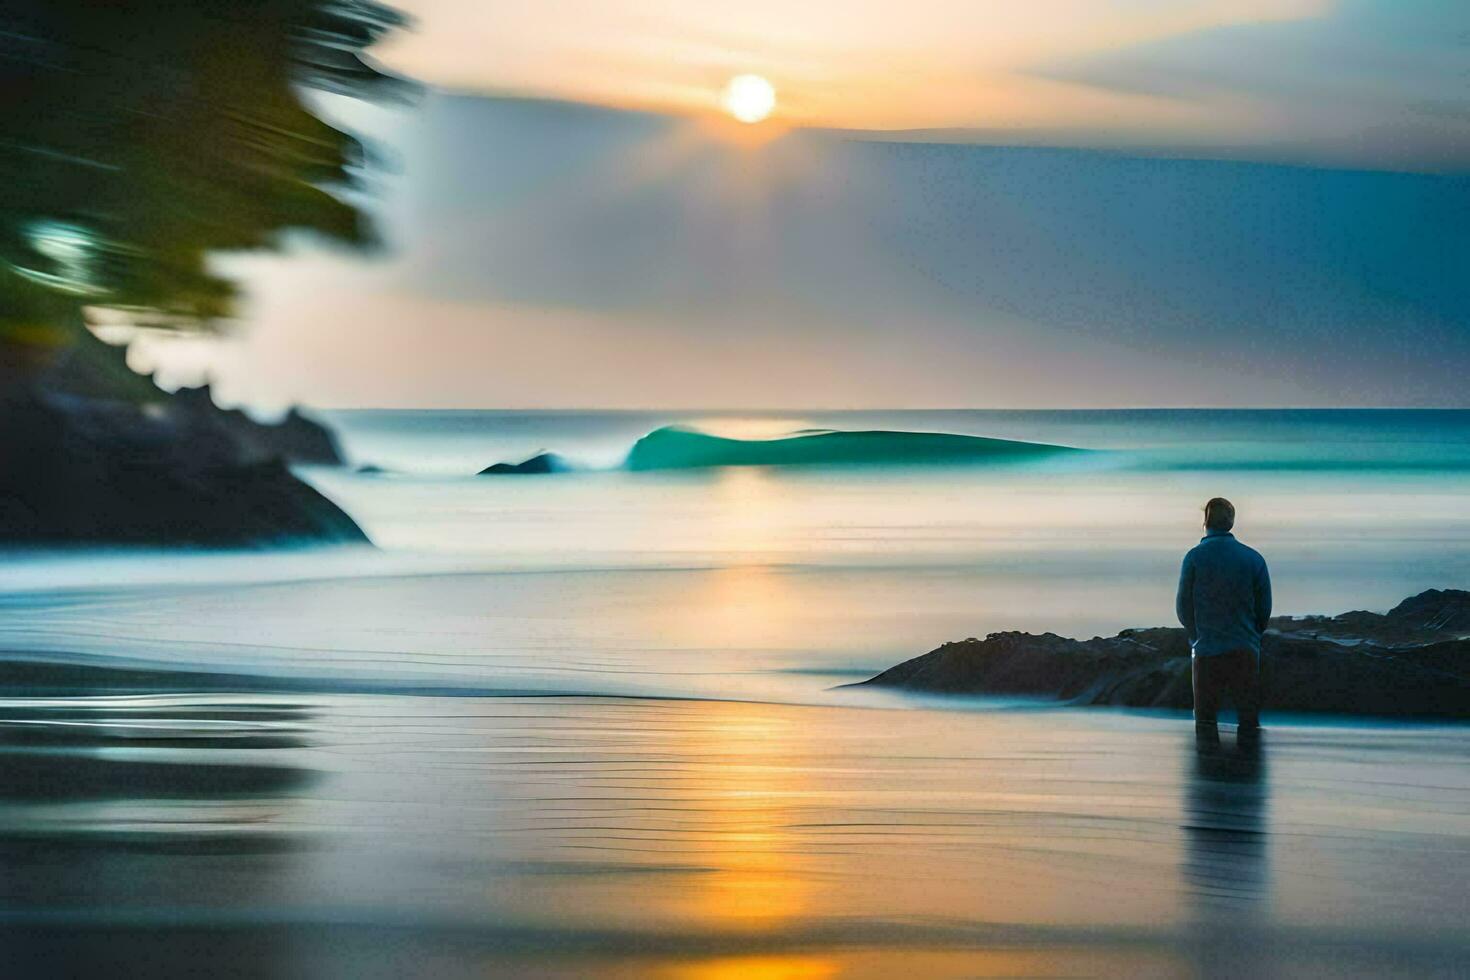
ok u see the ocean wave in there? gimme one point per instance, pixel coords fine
(678, 447)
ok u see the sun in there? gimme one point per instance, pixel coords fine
(749, 98)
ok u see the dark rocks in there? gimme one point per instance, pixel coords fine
(1414, 661)
(1438, 610)
(76, 470)
(540, 463)
(294, 439)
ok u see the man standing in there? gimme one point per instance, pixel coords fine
(1224, 603)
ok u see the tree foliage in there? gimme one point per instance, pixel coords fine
(137, 137)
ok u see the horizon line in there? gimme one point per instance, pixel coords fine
(890, 408)
(1060, 139)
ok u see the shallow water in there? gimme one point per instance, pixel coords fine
(372, 835)
(585, 723)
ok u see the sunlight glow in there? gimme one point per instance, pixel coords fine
(749, 98)
(777, 967)
(846, 64)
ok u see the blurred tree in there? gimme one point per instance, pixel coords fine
(139, 136)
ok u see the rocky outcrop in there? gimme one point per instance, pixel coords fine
(540, 463)
(167, 471)
(1425, 618)
(294, 439)
(1412, 661)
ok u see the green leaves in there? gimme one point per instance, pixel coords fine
(139, 136)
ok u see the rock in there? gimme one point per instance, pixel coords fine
(93, 377)
(1413, 661)
(1430, 616)
(96, 471)
(1440, 610)
(540, 463)
(294, 439)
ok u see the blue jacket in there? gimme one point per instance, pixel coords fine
(1224, 598)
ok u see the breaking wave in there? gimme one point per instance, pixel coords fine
(679, 447)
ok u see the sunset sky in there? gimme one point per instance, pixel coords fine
(953, 203)
(1351, 76)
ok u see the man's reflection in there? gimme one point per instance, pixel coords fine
(1225, 866)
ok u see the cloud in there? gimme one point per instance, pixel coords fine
(559, 254)
(1374, 83)
(845, 63)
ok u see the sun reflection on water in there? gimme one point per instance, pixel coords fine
(758, 881)
(755, 968)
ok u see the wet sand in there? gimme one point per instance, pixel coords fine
(295, 834)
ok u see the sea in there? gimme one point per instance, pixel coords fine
(593, 722)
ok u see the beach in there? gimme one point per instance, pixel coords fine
(359, 835)
(593, 724)
(734, 491)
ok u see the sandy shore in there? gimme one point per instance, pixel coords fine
(362, 835)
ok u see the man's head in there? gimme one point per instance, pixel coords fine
(1219, 514)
